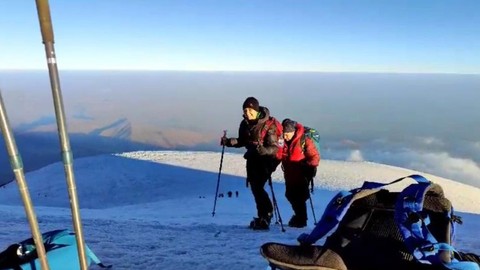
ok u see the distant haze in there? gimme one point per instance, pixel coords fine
(426, 122)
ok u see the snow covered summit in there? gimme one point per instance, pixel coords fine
(153, 210)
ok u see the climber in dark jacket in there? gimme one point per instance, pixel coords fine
(259, 137)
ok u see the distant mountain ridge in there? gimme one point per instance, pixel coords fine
(122, 128)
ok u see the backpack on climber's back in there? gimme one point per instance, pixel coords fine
(279, 131)
(313, 134)
(378, 229)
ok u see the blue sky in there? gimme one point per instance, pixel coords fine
(361, 36)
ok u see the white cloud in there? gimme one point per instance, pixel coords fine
(430, 141)
(459, 169)
(355, 155)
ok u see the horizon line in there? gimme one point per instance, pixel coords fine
(244, 71)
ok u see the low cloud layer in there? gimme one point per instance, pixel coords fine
(442, 164)
(456, 161)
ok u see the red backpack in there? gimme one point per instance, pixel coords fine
(279, 130)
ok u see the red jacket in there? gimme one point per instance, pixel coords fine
(295, 156)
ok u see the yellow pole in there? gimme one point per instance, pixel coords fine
(17, 167)
(48, 40)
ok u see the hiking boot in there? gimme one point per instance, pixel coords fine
(261, 223)
(268, 217)
(297, 222)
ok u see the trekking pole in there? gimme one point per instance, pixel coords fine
(274, 201)
(17, 167)
(311, 200)
(46, 28)
(275, 205)
(313, 211)
(219, 174)
(275, 210)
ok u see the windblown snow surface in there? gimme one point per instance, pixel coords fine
(153, 210)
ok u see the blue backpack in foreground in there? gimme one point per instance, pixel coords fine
(61, 252)
(377, 229)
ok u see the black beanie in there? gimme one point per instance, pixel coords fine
(251, 102)
(289, 125)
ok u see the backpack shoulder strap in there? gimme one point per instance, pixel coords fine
(304, 137)
(412, 221)
(302, 141)
(307, 133)
(265, 128)
(334, 213)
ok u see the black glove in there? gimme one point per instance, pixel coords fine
(224, 141)
(310, 172)
(261, 150)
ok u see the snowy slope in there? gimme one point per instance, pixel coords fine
(153, 210)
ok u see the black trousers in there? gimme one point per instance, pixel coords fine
(259, 170)
(297, 194)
